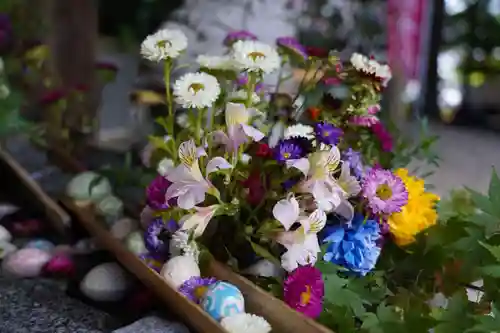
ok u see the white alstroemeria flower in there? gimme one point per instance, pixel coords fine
(347, 182)
(238, 130)
(302, 244)
(299, 130)
(164, 44)
(196, 90)
(255, 56)
(216, 62)
(301, 254)
(198, 221)
(188, 184)
(318, 169)
(165, 166)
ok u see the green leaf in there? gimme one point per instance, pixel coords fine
(263, 252)
(494, 250)
(487, 323)
(455, 317)
(494, 191)
(481, 201)
(491, 270)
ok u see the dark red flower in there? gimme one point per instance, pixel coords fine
(263, 150)
(318, 52)
(81, 87)
(314, 112)
(52, 96)
(155, 194)
(256, 189)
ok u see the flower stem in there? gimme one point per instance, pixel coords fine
(250, 89)
(199, 120)
(170, 118)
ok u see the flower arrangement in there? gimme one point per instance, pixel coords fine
(303, 183)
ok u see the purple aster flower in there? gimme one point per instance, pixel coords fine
(152, 236)
(353, 245)
(155, 194)
(386, 193)
(235, 36)
(196, 287)
(288, 184)
(288, 150)
(153, 260)
(327, 133)
(291, 44)
(242, 82)
(354, 159)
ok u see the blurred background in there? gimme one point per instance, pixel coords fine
(445, 56)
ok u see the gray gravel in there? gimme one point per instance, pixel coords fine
(153, 325)
(41, 306)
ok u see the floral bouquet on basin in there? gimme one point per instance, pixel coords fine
(296, 190)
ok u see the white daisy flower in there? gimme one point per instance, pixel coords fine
(256, 56)
(196, 90)
(371, 67)
(245, 322)
(299, 130)
(243, 94)
(165, 166)
(164, 44)
(216, 62)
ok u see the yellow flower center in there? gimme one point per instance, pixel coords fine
(163, 44)
(255, 55)
(286, 155)
(384, 192)
(326, 133)
(200, 291)
(196, 87)
(305, 297)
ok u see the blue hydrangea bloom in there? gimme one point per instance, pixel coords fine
(353, 245)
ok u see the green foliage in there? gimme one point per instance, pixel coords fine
(464, 247)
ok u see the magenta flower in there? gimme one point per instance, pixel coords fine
(196, 287)
(385, 192)
(304, 290)
(155, 194)
(291, 44)
(235, 36)
(383, 136)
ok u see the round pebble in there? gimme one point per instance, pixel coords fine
(135, 243)
(41, 244)
(123, 227)
(105, 283)
(26, 262)
(5, 235)
(179, 269)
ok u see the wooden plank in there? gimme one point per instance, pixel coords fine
(191, 313)
(56, 215)
(282, 318)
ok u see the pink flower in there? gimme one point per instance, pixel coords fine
(383, 135)
(304, 290)
(386, 193)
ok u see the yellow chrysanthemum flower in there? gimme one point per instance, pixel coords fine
(417, 215)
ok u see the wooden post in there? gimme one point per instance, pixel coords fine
(73, 39)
